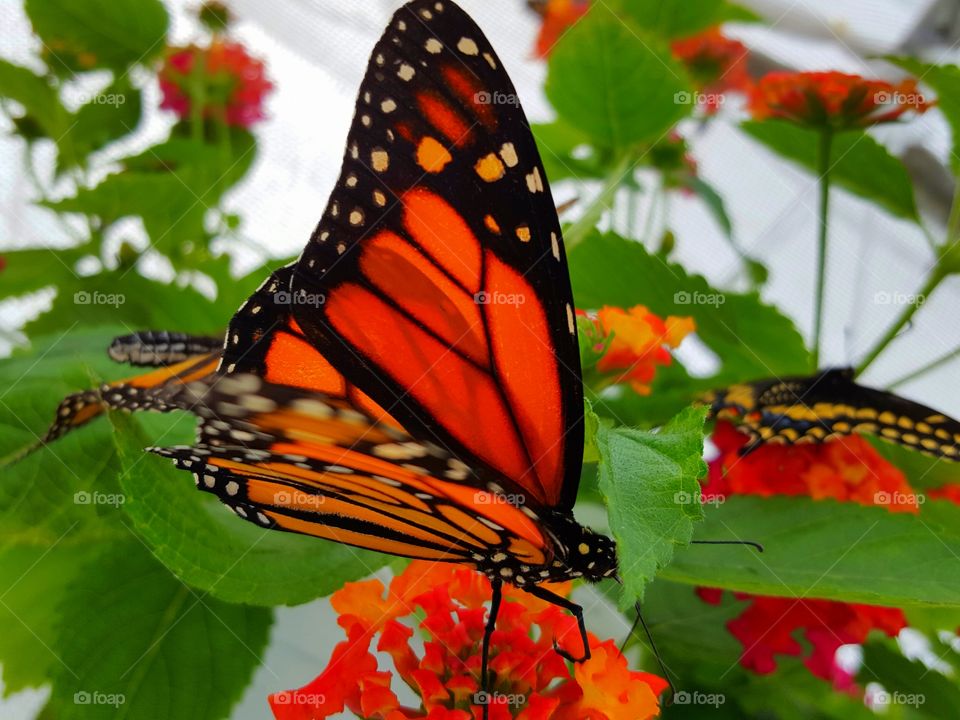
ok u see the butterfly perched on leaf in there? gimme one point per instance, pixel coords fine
(817, 408)
(411, 384)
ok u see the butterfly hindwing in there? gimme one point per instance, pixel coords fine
(291, 459)
(446, 293)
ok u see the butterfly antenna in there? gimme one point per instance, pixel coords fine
(749, 543)
(653, 646)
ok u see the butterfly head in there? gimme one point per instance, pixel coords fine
(592, 556)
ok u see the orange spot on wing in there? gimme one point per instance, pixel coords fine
(490, 168)
(491, 224)
(444, 118)
(431, 155)
(443, 233)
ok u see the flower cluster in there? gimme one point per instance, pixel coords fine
(628, 345)
(530, 681)
(558, 16)
(833, 100)
(717, 65)
(848, 469)
(222, 81)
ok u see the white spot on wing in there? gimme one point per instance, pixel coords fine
(468, 46)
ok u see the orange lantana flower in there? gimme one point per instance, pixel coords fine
(632, 343)
(833, 100)
(530, 681)
(717, 64)
(558, 16)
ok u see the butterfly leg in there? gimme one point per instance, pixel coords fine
(574, 610)
(485, 652)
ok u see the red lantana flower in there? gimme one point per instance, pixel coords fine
(632, 343)
(717, 64)
(558, 16)
(769, 627)
(848, 469)
(530, 681)
(833, 100)
(224, 79)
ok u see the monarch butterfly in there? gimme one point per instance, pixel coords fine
(819, 407)
(411, 384)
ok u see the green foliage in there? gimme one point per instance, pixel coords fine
(908, 683)
(133, 641)
(825, 549)
(38, 98)
(859, 163)
(215, 551)
(93, 34)
(649, 482)
(679, 19)
(593, 75)
(752, 340)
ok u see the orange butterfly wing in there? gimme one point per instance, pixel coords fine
(446, 296)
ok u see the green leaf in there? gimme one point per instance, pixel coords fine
(945, 79)
(34, 578)
(751, 339)
(859, 163)
(99, 33)
(108, 116)
(714, 203)
(678, 19)
(907, 683)
(38, 97)
(170, 186)
(212, 549)
(26, 271)
(922, 472)
(135, 642)
(129, 299)
(616, 83)
(831, 550)
(649, 481)
(566, 152)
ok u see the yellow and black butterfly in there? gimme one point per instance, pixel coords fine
(817, 408)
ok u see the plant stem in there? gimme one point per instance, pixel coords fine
(591, 216)
(823, 160)
(935, 278)
(932, 365)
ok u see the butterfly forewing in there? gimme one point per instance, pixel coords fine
(440, 261)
